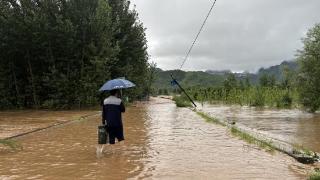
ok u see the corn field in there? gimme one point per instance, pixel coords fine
(251, 96)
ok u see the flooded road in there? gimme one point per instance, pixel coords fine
(290, 125)
(17, 122)
(162, 142)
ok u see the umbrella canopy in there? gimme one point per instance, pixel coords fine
(116, 84)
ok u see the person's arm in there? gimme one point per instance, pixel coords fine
(122, 108)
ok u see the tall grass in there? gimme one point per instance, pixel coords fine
(182, 101)
(252, 96)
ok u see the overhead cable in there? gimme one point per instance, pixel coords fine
(195, 40)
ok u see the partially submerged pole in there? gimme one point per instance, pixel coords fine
(176, 83)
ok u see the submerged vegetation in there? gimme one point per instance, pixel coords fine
(239, 133)
(11, 144)
(298, 152)
(181, 101)
(209, 119)
(251, 139)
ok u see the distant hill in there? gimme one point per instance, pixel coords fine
(277, 69)
(223, 72)
(211, 78)
(186, 78)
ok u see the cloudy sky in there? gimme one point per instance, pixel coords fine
(240, 35)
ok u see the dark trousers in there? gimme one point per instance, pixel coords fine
(115, 132)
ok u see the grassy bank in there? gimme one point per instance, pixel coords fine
(251, 139)
(209, 119)
(298, 149)
(238, 133)
(300, 153)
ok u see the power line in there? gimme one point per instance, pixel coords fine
(195, 40)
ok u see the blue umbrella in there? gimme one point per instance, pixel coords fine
(116, 84)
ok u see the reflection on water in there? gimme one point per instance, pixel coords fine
(292, 125)
(162, 142)
(183, 146)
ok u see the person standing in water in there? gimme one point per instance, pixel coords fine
(113, 108)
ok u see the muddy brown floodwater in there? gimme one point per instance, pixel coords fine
(17, 122)
(162, 142)
(291, 125)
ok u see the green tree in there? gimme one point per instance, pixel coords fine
(129, 37)
(289, 77)
(309, 81)
(267, 80)
(241, 85)
(151, 78)
(230, 82)
(247, 81)
(57, 53)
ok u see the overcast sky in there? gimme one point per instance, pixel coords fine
(240, 35)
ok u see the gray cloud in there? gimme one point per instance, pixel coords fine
(239, 35)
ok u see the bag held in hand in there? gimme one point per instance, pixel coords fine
(102, 134)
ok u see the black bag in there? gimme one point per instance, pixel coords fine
(102, 134)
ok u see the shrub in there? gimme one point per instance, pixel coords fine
(181, 101)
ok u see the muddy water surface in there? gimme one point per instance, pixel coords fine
(293, 125)
(16, 122)
(162, 142)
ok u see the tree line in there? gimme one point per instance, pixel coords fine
(58, 53)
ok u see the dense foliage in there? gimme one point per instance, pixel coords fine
(281, 86)
(268, 92)
(252, 96)
(243, 93)
(57, 53)
(216, 78)
(309, 77)
(182, 101)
